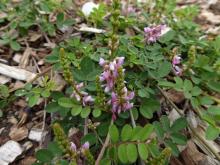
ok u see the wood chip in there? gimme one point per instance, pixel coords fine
(18, 134)
(91, 29)
(34, 37)
(9, 152)
(191, 155)
(25, 58)
(28, 160)
(12, 120)
(175, 96)
(36, 134)
(214, 145)
(27, 145)
(4, 80)
(210, 17)
(16, 73)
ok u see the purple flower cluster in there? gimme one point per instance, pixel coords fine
(84, 147)
(86, 98)
(121, 103)
(176, 61)
(153, 33)
(110, 72)
(120, 100)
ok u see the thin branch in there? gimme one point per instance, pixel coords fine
(107, 139)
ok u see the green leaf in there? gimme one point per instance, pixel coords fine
(206, 100)
(114, 134)
(66, 102)
(187, 85)
(165, 122)
(149, 107)
(76, 109)
(195, 102)
(54, 148)
(122, 154)
(212, 133)
(179, 124)
(158, 129)
(96, 112)
(178, 138)
(187, 94)
(143, 151)
(87, 71)
(126, 132)
(214, 86)
(45, 93)
(1, 113)
(214, 110)
(105, 161)
(28, 86)
(135, 113)
(20, 92)
(154, 150)
(179, 82)
(90, 137)
(164, 69)
(4, 41)
(196, 91)
(85, 112)
(132, 153)
(146, 131)
(33, 99)
(53, 107)
(60, 18)
(136, 133)
(44, 155)
(175, 150)
(166, 84)
(4, 92)
(15, 45)
(143, 92)
(168, 36)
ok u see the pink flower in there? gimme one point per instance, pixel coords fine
(176, 60)
(102, 62)
(86, 98)
(110, 72)
(73, 146)
(122, 103)
(120, 100)
(153, 33)
(177, 70)
(131, 9)
(85, 146)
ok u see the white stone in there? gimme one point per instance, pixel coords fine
(9, 152)
(17, 58)
(88, 7)
(36, 134)
(16, 73)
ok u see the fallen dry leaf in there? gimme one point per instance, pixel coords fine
(18, 134)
